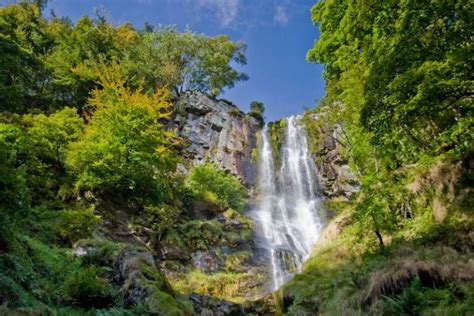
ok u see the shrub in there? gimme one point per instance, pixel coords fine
(74, 224)
(202, 234)
(213, 185)
(87, 288)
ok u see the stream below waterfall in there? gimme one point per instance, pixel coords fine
(289, 210)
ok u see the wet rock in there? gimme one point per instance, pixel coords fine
(289, 260)
(218, 131)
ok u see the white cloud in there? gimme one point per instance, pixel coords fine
(281, 17)
(225, 10)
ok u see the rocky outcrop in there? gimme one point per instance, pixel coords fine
(133, 270)
(336, 178)
(216, 130)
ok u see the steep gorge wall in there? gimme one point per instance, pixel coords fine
(217, 131)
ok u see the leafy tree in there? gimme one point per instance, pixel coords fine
(23, 43)
(125, 149)
(80, 50)
(42, 150)
(414, 62)
(257, 107)
(185, 61)
(403, 71)
(14, 197)
(256, 110)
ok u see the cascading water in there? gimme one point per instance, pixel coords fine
(289, 211)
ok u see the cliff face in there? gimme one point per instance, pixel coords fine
(336, 178)
(218, 131)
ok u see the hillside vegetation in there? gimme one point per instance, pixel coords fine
(89, 187)
(103, 213)
(399, 80)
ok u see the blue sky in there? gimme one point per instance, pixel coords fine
(278, 34)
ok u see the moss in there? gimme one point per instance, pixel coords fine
(234, 261)
(237, 235)
(200, 235)
(231, 286)
(173, 237)
(161, 303)
(277, 135)
(102, 253)
(255, 155)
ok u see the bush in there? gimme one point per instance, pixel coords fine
(202, 234)
(215, 186)
(87, 288)
(74, 224)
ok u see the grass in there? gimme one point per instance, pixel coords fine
(232, 286)
(340, 278)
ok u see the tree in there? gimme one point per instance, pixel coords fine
(23, 43)
(256, 110)
(184, 61)
(413, 60)
(14, 197)
(125, 150)
(257, 107)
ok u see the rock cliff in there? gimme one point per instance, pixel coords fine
(217, 131)
(336, 178)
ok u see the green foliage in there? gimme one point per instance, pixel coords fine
(161, 303)
(256, 110)
(50, 63)
(87, 288)
(74, 224)
(235, 261)
(14, 197)
(123, 144)
(276, 134)
(257, 107)
(404, 68)
(216, 186)
(226, 285)
(342, 277)
(185, 61)
(201, 235)
(82, 127)
(23, 42)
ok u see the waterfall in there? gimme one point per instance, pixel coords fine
(288, 212)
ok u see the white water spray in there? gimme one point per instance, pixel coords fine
(289, 211)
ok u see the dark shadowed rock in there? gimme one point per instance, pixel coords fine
(211, 306)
